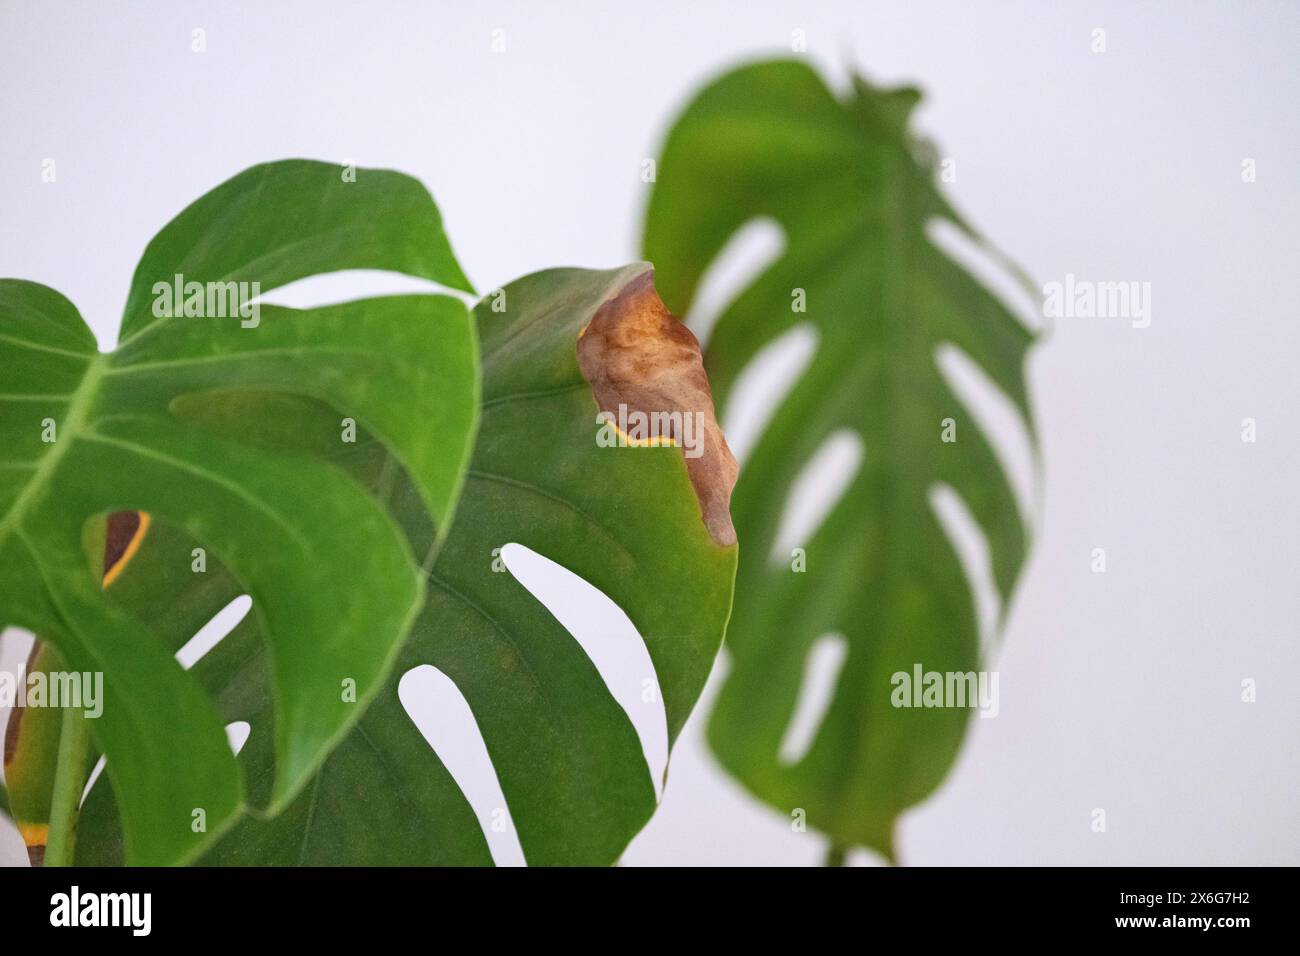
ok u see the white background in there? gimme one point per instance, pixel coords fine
(1118, 690)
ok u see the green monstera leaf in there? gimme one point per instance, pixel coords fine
(629, 520)
(853, 192)
(337, 587)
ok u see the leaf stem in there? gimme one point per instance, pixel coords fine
(69, 782)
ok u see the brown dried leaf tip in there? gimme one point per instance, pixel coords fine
(645, 367)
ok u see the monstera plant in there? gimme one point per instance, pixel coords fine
(355, 469)
(854, 193)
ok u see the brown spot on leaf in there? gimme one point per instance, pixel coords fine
(122, 528)
(636, 354)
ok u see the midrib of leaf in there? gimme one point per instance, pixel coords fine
(78, 409)
(900, 334)
(894, 322)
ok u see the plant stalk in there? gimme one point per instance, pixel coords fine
(69, 783)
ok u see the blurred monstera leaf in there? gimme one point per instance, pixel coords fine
(853, 192)
(335, 581)
(648, 526)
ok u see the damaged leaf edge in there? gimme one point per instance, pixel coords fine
(639, 358)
